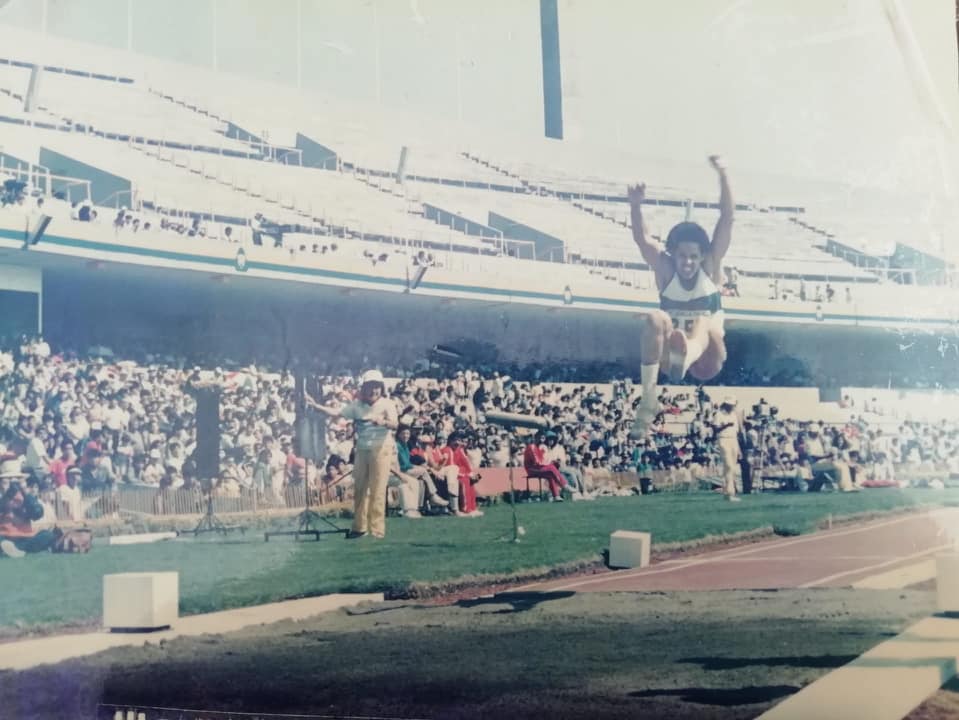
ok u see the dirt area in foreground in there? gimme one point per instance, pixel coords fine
(594, 655)
(941, 706)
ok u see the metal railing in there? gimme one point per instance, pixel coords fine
(141, 500)
(41, 177)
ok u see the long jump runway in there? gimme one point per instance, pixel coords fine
(840, 557)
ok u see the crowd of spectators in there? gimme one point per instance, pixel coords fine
(82, 426)
(864, 453)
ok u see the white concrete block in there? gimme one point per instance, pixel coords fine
(141, 601)
(629, 549)
(947, 582)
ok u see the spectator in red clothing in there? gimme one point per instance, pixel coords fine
(59, 467)
(295, 465)
(455, 455)
(439, 460)
(92, 450)
(534, 460)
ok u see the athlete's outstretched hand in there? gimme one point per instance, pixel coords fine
(717, 163)
(636, 193)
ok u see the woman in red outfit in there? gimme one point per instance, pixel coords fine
(534, 460)
(455, 454)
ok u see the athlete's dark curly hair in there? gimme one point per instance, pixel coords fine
(687, 232)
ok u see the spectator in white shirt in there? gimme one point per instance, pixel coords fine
(153, 472)
(37, 461)
(69, 495)
(556, 454)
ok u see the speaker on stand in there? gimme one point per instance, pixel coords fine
(207, 453)
(309, 443)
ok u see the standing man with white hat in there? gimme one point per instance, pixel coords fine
(726, 426)
(374, 419)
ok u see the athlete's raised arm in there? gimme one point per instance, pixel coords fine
(649, 249)
(722, 235)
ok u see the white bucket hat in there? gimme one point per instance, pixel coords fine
(371, 376)
(11, 469)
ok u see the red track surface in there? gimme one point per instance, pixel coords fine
(833, 558)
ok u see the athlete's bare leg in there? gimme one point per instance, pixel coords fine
(686, 348)
(653, 338)
(711, 362)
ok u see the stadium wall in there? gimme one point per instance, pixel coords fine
(21, 300)
(468, 278)
(180, 292)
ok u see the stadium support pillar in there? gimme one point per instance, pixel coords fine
(552, 75)
(33, 89)
(401, 168)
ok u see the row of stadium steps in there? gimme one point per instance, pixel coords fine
(265, 149)
(340, 200)
(258, 194)
(488, 163)
(608, 202)
(666, 212)
(594, 238)
(121, 171)
(354, 142)
(190, 177)
(576, 202)
(891, 249)
(385, 182)
(63, 70)
(118, 112)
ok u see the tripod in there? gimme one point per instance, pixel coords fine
(210, 522)
(512, 423)
(512, 487)
(306, 519)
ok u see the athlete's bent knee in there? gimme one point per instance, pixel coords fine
(657, 322)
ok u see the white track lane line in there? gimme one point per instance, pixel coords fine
(719, 555)
(899, 577)
(877, 566)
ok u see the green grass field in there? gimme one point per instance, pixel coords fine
(216, 574)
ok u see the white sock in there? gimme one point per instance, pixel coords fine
(649, 375)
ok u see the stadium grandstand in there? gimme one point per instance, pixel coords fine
(267, 230)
